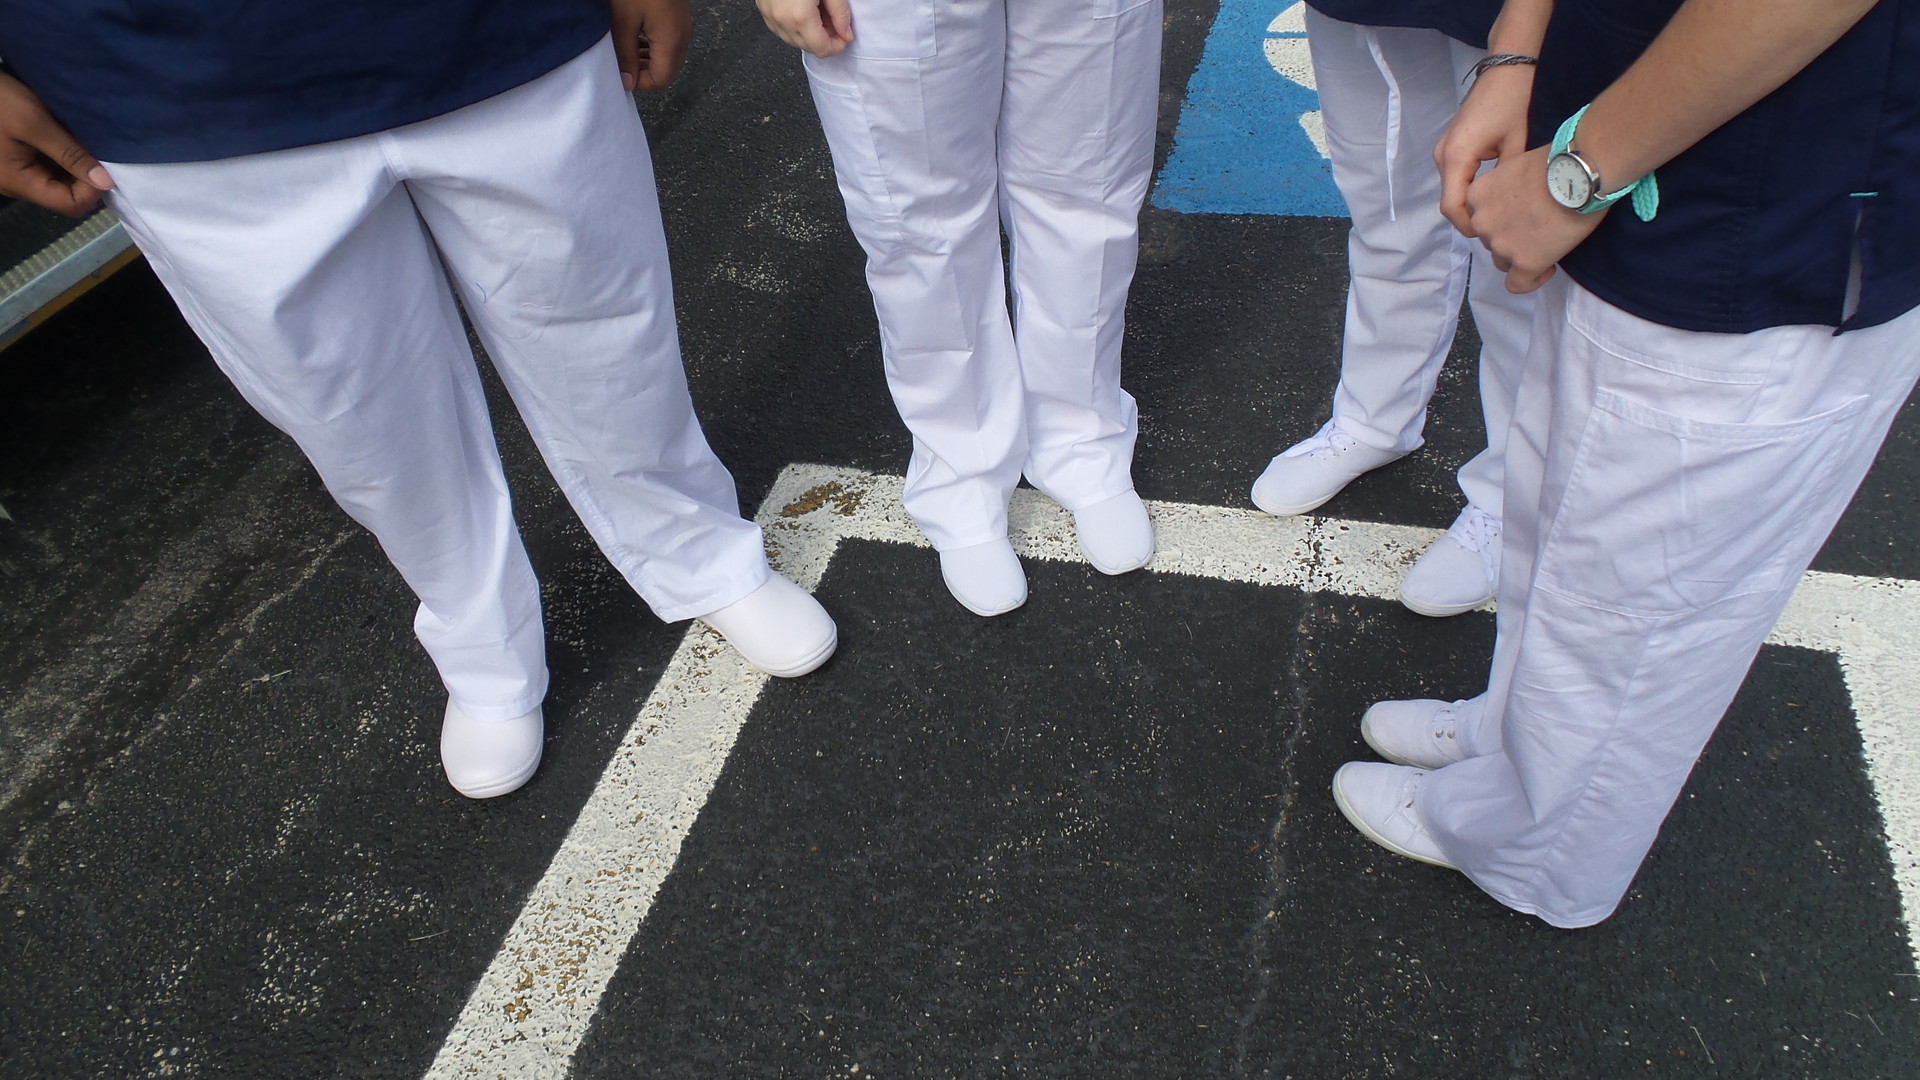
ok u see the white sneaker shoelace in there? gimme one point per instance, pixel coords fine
(1446, 722)
(1328, 442)
(1479, 532)
(1408, 788)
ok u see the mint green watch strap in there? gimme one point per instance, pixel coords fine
(1645, 191)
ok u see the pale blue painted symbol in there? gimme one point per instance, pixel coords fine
(1250, 138)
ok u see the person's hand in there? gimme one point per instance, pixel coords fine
(39, 162)
(650, 37)
(1491, 123)
(822, 27)
(1509, 209)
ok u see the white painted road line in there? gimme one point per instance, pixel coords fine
(530, 1010)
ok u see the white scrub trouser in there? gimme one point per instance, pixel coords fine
(1665, 492)
(314, 275)
(946, 118)
(1387, 95)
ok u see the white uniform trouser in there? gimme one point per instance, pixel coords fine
(314, 277)
(946, 118)
(1387, 95)
(1665, 492)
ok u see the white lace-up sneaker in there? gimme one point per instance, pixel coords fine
(1459, 572)
(1379, 801)
(1310, 472)
(1424, 732)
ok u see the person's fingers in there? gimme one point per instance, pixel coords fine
(813, 37)
(669, 31)
(627, 47)
(836, 18)
(811, 34)
(1454, 182)
(821, 27)
(1467, 208)
(40, 161)
(79, 164)
(37, 183)
(45, 134)
(1526, 281)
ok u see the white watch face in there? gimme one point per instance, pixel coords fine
(1568, 182)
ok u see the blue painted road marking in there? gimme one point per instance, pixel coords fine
(1250, 140)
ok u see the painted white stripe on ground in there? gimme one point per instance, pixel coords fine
(532, 1007)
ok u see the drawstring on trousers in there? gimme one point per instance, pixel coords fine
(1393, 114)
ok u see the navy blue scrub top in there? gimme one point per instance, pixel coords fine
(198, 80)
(1758, 221)
(1463, 20)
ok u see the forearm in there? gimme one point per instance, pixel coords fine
(1492, 121)
(1713, 60)
(1521, 27)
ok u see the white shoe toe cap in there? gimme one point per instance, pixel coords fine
(1404, 732)
(1379, 801)
(1295, 483)
(486, 758)
(986, 578)
(779, 627)
(1115, 535)
(1447, 580)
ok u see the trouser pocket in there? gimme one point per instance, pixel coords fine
(913, 261)
(1664, 514)
(857, 167)
(893, 29)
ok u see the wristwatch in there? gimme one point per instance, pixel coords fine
(1572, 182)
